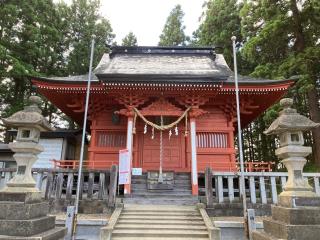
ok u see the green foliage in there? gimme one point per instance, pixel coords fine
(282, 39)
(130, 40)
(41, 38)
(85, 21)
(221, 21)
(173, 31)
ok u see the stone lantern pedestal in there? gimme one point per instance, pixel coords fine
(297, 215)
(23, 214)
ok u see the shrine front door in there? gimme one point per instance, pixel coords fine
(173, 151)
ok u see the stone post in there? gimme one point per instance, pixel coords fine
(23, 214)
(297, 215)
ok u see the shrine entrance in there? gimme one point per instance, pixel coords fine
(174, 151)
(162, 144)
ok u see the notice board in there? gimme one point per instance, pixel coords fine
(124, 167)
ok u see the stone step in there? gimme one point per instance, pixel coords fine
(175, 186)
(178, 192)
(160, 226)
(138, 181)
(172, 195)
(156, 238)
(156, 210)
(159, 213)
(160, 217)
(182, 177)
(177, 202)
(160, 232)
(160, 208)
(182, 181)
(189, 222)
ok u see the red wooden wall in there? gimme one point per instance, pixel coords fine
(215, 147)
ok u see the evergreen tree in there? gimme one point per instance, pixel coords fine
(86, 21)
(130, 40)
(283, 40)
(173, 31)
(221, 21)
(30, 43)
(40, 38)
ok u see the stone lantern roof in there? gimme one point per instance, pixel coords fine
(30, 116)
(290, 120)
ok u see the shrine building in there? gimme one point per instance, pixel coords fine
(173, 108)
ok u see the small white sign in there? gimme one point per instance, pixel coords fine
(136, 171)
(124, 167)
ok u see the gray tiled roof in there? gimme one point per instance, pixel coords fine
(160, 64)
(165, 65)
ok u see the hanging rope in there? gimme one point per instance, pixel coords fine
(186, 127)
(134, 123)
(162, 127)
(160, 179)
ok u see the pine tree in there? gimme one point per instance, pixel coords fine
(130, 40)
(173, 31)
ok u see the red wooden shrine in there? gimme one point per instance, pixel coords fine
(163, 81)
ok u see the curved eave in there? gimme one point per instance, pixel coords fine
(259, 82)
(81, 79)
(207, 78)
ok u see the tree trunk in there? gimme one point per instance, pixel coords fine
(315, 116)
(313, 100)
(299, 44)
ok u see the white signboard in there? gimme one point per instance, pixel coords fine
(52, 150)
(136, 171)
(124, 167)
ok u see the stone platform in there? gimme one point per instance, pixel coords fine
(24, 216)
(291, 223)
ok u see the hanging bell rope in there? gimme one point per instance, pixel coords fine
(162, 127)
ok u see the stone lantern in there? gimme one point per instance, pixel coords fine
(23, 214)
(290, 126)
(297, 215)
(29, 123)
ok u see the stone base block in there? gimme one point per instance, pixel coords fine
(22, 211)
(89, 206)
(26, 227)
(296, 216)
(280, 230)
(53, 234)
(294, 201)
(26, 197)
(257, 235)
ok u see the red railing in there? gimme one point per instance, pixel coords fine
(258, 166)
(74, 164)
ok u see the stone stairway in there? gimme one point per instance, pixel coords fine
(179, 195)
(160, 222)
